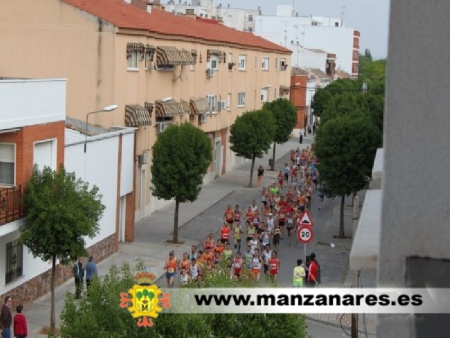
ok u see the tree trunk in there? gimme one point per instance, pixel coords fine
(52, 290)
(272, 167)
(175, 222)
(251, 172)
(341, 218)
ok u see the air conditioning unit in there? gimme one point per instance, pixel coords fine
(142, 159)
(203, 118)
(161, 126)
(210, 72)
(221, 105)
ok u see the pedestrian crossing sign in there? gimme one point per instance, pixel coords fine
(305, 219)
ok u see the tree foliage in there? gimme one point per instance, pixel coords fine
(61, 212)
(251, 135)
(99, 315)
(285, 116)
(181, 157)
(346, 147)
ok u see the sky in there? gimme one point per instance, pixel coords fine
(369, 17)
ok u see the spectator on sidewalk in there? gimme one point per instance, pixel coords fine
(260, 176)
(91, 272)
(6, 317)
(20, 323)
(313, 270)
(302, 134)
(299, 275)
(78, 274)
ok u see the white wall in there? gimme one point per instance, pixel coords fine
(126, 178)
(309, 59)
(98, 166)
(287, 31)
(29, 102)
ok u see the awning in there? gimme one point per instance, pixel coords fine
(134, 46)
(199, 106)
(136, 115)
(185, 107)
(167, 55)
(284, 90)
(150, 51)
(168, 108)
(221, 55)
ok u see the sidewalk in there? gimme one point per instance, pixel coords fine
(196, 220)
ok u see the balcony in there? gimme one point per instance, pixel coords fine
(11, 207)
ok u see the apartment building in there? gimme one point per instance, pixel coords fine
(157, 67)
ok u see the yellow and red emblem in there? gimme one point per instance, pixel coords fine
(144, 301)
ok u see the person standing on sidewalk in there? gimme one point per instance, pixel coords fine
(260, 176)
(299, 275)
(313, 269)
(6, 317)
(91, 272)
(302, 134)
(78, 274)
(20, 323)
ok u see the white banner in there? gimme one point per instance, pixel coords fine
(308, 300)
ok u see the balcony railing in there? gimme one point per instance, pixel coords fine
(11, 207)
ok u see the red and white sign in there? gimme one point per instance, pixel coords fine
(305, 219)
(305, 234)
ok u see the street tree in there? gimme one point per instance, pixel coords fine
(285, 116)
(345, 148)
(61, 211)
(251, 135)
(181, 157)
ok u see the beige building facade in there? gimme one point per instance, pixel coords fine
(157, 67)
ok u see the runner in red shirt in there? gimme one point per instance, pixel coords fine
(225, 233)
(274, 267)
(237, 266)
(237, 214)
(249, 216)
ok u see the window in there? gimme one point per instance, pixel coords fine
(242, 62)
(214, 62)
(45, 154)
(241, 99)
(265, 63)
(283, 64)
(133, 60)
(212, 103)
(7, 170)
(228, 101)
(14, 261)
(264, 94)
(250, 18)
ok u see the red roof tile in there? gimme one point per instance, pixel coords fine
(127, 16)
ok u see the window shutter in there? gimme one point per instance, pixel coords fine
(7, 153)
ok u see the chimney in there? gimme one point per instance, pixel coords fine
(156, 4)
(128, 1)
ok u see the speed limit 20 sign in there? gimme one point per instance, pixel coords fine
(305, 234)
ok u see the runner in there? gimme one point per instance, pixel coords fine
(270, 222)
(227, 252)
(290, 220)
(266, 255)
(282, 219)
(170, 267)
(274, 267)
(184, 276)
(276, 234)
(249, 216)
(237, 236)
(195, 269)
(237, 214)
(248, 258)
(256, 265)
(237, 266)
(228, 215)
(225, 232)
(253, 243)
(185, 263)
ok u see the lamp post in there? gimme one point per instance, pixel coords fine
(107, 108)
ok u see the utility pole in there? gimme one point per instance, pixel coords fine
(355, 273)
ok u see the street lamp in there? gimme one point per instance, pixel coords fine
(107, 108)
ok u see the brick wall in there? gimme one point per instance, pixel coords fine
(40, 285)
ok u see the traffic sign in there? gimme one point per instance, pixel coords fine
(305, 219)
(304, 234)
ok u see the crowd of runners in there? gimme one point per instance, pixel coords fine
(250, 237)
